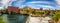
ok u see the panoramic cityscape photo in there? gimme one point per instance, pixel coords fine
(29, 11)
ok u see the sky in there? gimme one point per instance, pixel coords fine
(45, 4)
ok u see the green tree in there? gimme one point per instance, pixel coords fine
(56, 16)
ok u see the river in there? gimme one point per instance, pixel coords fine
(14, 18)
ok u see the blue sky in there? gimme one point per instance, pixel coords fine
(35, 3)
(46, 4)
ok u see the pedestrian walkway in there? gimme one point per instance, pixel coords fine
(38, 19)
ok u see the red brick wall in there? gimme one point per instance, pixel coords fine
(13, 9)
(10, 8)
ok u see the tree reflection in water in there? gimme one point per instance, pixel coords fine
(17, 18)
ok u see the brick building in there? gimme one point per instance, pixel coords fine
(13, 9)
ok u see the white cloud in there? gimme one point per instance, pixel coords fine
(58, 1)
(5, 1)
(58, 8)
(45, 2)
(47, 6)
(1, 8)
(17, 2)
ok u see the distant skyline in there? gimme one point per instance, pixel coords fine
(46, 4)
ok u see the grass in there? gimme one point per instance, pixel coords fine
(1, 19)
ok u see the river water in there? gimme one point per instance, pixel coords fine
(14, 18)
